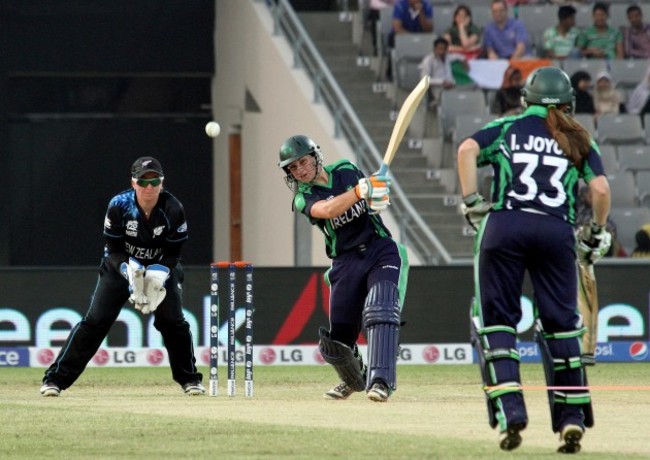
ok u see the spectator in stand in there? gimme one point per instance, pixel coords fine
(437, 65)
(642, 249)
(464, 36)
(639, 101)
(636, 37)
(581, 81)
(601, 41)
(374, 13)
(560, 40)
(607, 99)
(507, 100)
(504, 37)
(409, 16)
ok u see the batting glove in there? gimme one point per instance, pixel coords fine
(594, 242)
(475, 208)
(373, 188)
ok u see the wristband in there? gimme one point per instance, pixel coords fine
(471, 199)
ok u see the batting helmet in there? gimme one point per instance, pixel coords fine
(548, 86)
(296, 147)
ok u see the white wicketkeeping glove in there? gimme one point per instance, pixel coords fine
(475, 208)
(134, 273)
(154, 286)
(593, 243)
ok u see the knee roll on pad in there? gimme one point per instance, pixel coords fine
(346, 361)
(381, 318)
(498, 360)
(561, 356)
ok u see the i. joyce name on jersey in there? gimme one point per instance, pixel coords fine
(357, 210)
(536, 144)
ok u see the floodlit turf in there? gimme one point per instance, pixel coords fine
(437, 412)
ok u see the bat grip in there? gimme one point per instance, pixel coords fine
(382, 170)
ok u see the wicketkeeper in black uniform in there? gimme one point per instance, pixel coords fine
(369, 269)
(144, 229)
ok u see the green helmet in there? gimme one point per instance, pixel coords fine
(296, 147)
(548, 86)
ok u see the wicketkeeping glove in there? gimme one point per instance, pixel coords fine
(134, 274)
(373, 188)
(475, 208)
(154, 286)
(593, 243)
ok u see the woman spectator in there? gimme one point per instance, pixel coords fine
(606, 98)
(464, 36)
(584, 100)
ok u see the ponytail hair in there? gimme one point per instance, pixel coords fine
(571, 136)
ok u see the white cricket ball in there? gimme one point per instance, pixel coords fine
(212, 129)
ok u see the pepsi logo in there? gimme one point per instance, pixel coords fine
(318, 357)
(101, 357)
(431, 354)
(267, 356)
(45, 356)
(639, 351)
(155, 356)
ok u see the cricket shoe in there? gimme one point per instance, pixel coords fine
(511, 439)
(50, 389)
(571, 436)
(194, 389)
(340, 391)
(379, 392)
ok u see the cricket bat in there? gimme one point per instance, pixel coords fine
(588, 307)
(402, 122)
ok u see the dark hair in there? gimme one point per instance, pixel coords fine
(440, 41)
(632, 8)
(466, 9)
(601, 6)
(578, 77)
(565, 12)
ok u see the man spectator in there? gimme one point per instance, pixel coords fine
(636, 37)
(409, 16)
(504, 37)
(437, 65)
(560, 40)
(600, 41)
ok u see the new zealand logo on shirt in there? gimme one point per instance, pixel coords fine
(132, 228)
(158, 230)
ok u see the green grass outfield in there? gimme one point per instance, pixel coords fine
(437, 412)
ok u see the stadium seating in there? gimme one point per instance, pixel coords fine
(634, 157)
(609, 157)
(443, 18)
(620, 129)
(538, 18)
(587, 120)
(627, 73)
(643, 188)
(623, 190)
(409, 51)
(591, 66)
(457, 102)
(466, 125)
(628, 221)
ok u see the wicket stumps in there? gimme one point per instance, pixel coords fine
(231, 268)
